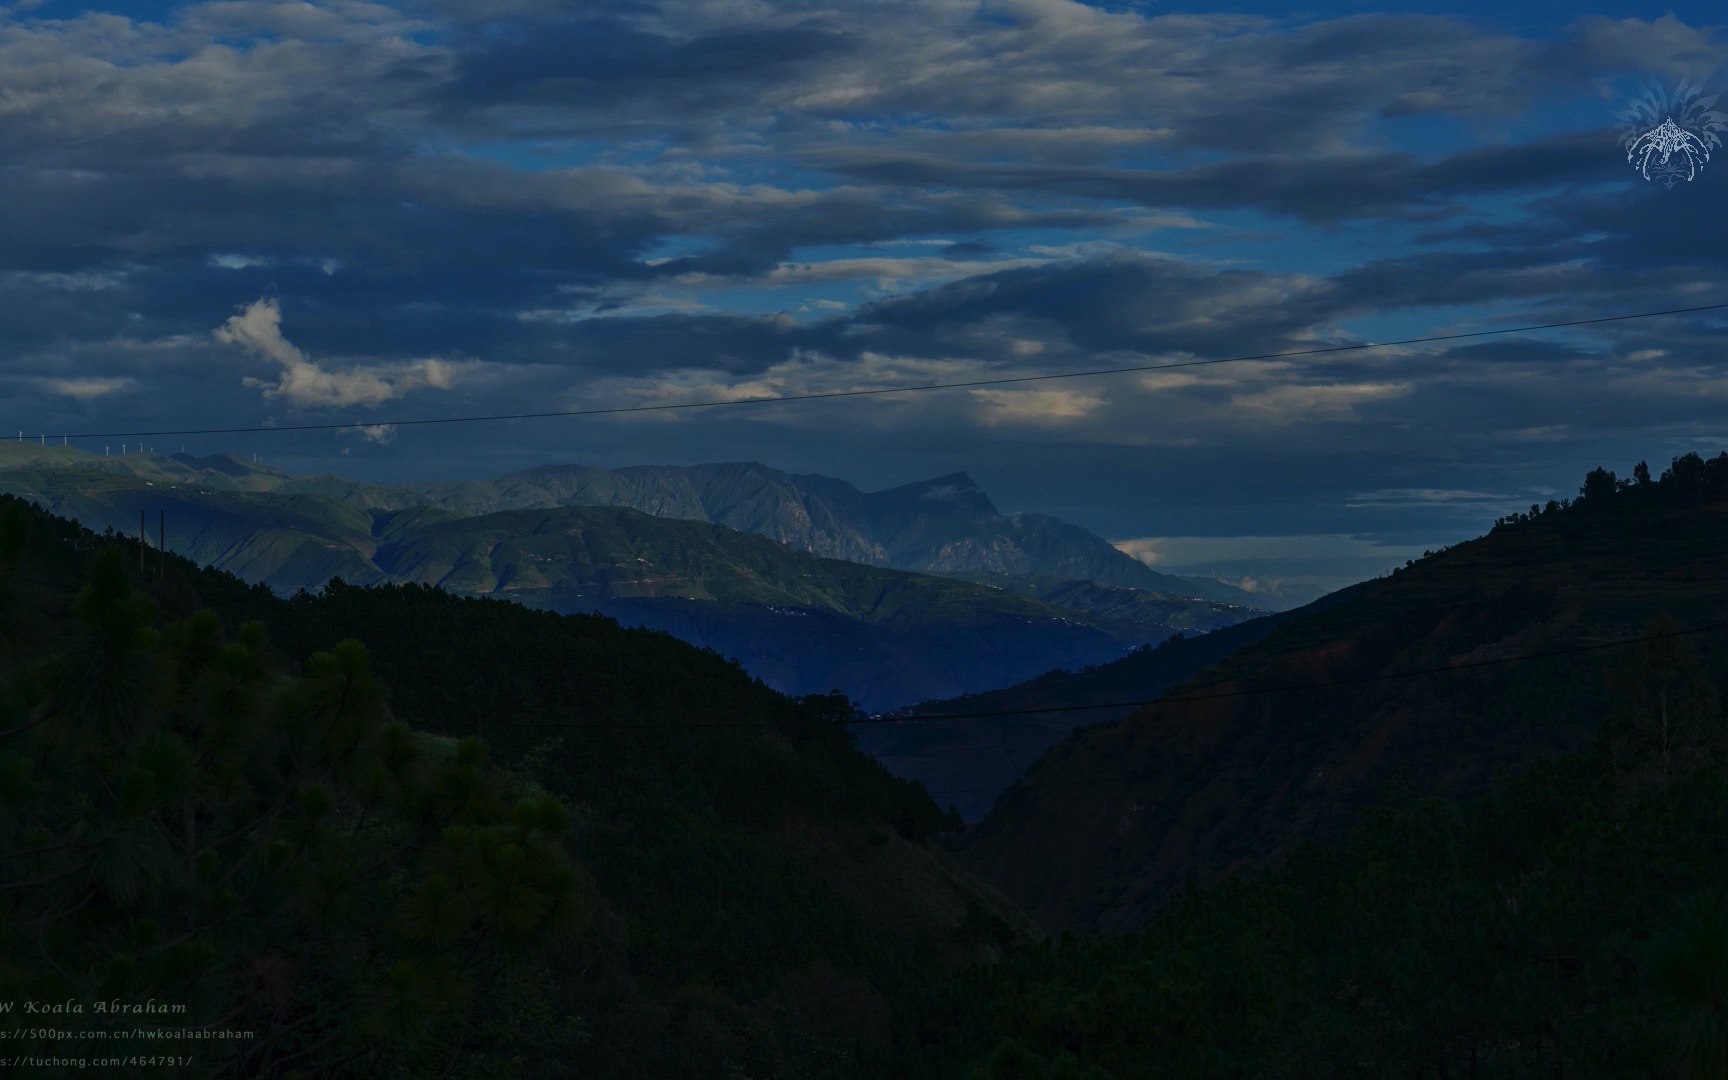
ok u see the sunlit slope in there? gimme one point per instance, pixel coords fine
(290, 541)
(291, 538)
(615, 552)
(1108, 822)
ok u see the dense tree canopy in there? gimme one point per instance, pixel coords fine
(499, 840)
(273, 855)
(495, 842)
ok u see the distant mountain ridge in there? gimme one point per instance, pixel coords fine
(567, 539)
(947, 525)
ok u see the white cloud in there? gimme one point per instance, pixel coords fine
(85, 388)
(239, 262)
(805, 372)
(1429, 497)
(1166, 552)
(1275, 566)
(1042, 407)
(650, 304)
(1172, 380)
(1146, 549)
(883, 272)
(1336, 401)
(1546, 433)
(258, 330)
(84, 281)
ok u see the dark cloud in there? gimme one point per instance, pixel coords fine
(1322, 190)
(513, 205)
(596, 63)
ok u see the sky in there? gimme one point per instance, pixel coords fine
(246, 213)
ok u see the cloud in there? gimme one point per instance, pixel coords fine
(1429, 497)
(258, 330)
(628, 203)
(380, 434)
(1146, 549)
(1272, 565)
(85, 389)
(1043, 407)
(1336, 401)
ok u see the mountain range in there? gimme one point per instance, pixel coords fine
(916, 592)
(1465, 817)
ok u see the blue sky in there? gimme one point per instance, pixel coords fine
(246, 213)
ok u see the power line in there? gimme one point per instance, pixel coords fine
(1194, 696)
(887, 390)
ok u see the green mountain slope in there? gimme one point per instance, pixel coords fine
(1106, 825)
(806, 623)
(291, 541)
(772, 605)
(943, 526)
(1569, 922)
(755, 894)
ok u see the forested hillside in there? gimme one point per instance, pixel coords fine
(386, 828)
(1536, 889)
(391, 832)
(979, 758)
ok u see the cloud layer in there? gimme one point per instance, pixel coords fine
(293, 213)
